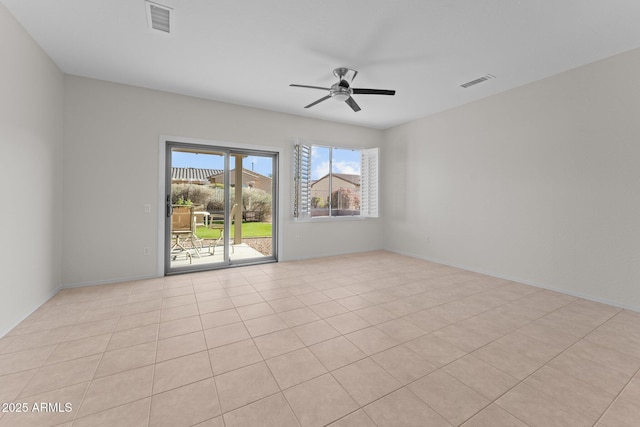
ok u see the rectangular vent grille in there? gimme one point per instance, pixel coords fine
(477, 81)
(159, 17)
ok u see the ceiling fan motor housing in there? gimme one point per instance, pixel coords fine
(340, 91)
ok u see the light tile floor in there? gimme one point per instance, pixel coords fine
(370, 339)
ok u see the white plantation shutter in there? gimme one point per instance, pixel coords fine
(369, 183)
(301, 188)
(301, 181)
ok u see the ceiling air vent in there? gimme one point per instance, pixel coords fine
(478, 80)
(159, 18)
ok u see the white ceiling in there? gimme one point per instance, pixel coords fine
(248, 51)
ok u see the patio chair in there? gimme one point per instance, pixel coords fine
(183, 231)
(202, 218)
(220, 227)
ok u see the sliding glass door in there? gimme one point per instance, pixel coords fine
(220, 207)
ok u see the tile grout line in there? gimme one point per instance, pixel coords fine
(617, 396)
(379, 304)
(235, 308)
(550, 360)
(280, 391)
(213, 375)
(75, 415)
(155, 358)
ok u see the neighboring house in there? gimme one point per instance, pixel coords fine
(192, 175)
(250, 179)
(320, 188)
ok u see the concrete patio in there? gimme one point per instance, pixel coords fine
(237, 252)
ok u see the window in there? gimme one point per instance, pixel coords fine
(334, 182)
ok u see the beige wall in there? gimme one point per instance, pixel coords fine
(31, 88)
(258, 181)
(261, 183)
(320, 188)
(112, 136)
(538, 184)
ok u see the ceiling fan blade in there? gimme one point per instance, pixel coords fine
(311, 87)
(318, 101)
(353, 104)
(373, 91)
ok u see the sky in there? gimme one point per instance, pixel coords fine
(261, 165)
(344, 161)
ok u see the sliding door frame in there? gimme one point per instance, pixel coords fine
(229, 149)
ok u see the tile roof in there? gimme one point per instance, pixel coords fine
(202, 175)
(193, 174)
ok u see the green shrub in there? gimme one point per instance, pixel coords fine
(257, 200)
(202, 196)
(318, 202)
(183, 202)
(211, 198)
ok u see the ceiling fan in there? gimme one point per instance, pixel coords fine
(342, 90)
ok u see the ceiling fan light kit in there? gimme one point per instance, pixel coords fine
(342, 90)
(340, 96)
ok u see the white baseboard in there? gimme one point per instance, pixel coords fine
(12, 325)
(523, 281)
(109, 281)
(36, 306)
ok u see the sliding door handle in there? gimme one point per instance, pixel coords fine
(169, 206)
